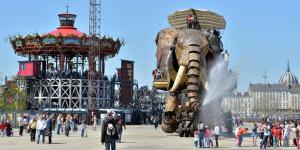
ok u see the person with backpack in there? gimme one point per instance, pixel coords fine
(109, 133)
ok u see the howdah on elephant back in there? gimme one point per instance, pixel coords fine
(184, 54)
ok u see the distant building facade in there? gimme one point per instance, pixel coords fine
(266, 99)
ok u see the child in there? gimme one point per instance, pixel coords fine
(207, 137)
(83, 127)
(2, 128)
(196, 138)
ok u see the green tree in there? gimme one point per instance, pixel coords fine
(14, 99)
(2, 103)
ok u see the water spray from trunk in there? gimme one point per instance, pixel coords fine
(220, 80)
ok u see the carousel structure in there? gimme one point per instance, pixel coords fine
(65, 68)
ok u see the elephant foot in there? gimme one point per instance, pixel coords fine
(169, 118)
(168, 128)
(169, 124)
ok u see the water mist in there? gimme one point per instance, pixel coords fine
(220, 80)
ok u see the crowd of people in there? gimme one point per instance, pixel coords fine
(272, 133)
(203, 134)
(41, 126)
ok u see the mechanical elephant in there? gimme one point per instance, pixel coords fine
(184, 56)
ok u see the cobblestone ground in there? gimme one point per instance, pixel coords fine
(134, 138)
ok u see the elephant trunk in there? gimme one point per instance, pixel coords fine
(178, 78)
(194, 74)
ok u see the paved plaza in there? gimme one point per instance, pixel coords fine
(141, 137)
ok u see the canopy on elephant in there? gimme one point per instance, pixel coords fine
(207, 20)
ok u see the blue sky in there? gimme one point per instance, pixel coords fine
(260, 35)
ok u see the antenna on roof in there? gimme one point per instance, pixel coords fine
(265, 77)
(288, 66)
(67, 7)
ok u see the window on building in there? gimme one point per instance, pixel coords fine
(22, 66)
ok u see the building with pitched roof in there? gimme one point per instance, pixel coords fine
(265, 98)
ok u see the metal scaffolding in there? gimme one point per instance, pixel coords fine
(95, 45)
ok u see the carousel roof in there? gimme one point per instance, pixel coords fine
(65, 39)
(66, 31)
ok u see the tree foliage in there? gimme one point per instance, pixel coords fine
(13, 99)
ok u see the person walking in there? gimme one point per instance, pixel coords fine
(196, 138)
(75, 124)
(206, 137)
(275, 136)
(286, 134)
(83, 128)
(95, 123)
(49, 127)
(58, 124)
(22, 123)
(155, 122)
(279, 131)
(2, 128)
(254, 134)
(8, 129)
(32, 129)
(217, 133)
(41, 126)
(266, 128)
(109, 134)
(67, 126)
(201, 134)
(294, 134)
(119, 126)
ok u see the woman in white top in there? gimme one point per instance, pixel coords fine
(40, 127)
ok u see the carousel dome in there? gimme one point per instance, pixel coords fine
(288, 77)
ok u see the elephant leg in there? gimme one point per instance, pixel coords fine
(193, 77)
(169, 121)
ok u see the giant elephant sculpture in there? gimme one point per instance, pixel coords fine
(185, 68)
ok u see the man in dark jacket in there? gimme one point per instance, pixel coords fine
(49, 127)
(109, 133)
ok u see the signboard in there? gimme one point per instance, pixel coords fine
(127, 118)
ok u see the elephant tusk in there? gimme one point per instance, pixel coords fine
(206, 86)
(178, 78)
